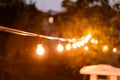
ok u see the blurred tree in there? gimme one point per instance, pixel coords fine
(92, 16)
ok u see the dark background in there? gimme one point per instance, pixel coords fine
(17, 53)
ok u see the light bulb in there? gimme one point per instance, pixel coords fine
(88, 36)
(92, 41)
(40, 50)
(79, 44)
(51, 19)
(114, 50)
(68, 47)
(82, 43)
(74, 45)
(105, 48)
(60, 48)
(96, 41)
(86, 48)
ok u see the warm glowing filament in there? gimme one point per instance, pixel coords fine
(82, 43)
(60, 48)
(68, 47)
(114, 50)
(74, 45)
(105, 48)
(79, 44)
(96, 41)
(40, 50)
(88, 36)
(86, 48)
(73, 40)
(92, 41)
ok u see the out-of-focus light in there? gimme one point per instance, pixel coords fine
(60, 48)
(89, 36)
(40, 50)
(74, 45)
(96, 41)
(86, 48)
(73, 40)
(92, 41)
(50, 19)
(82, 43)
(68, 47)
(105, 48)
(86, 40)
(79, 44)
(114, 50)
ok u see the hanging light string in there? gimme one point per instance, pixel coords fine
(40, 50)
(24, 33)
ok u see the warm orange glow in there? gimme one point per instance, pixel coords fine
(73, 40)
(96, 41)
(92, 41)
(74, 45)
(82, 43)
(68, 47)
(40, 50)
(86, 48)
(79, 44)
(60, 48)
(89, 36)
(105, 48)
(114, 50)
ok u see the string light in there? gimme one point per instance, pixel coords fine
(105, 48)
(50, 19)
(114, 50)
(96, 42)
(60, 48)
(86, 48)
(74, 45)
(87, 38)
(24, 33)
(68, 46)
(79, 44)
(92, 41)
(40, 50)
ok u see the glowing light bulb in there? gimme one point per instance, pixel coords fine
(60, 48)
(86, 48)
(74, 45)
(79, 44)
(40, 50)
(51, 19)
(73, 40)
(68, 47)
(96, 42)
(92, 41)
(88, 36)
(114, 50)
(82, 43)
(105, 48)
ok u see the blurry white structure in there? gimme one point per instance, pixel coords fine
(101, 69)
